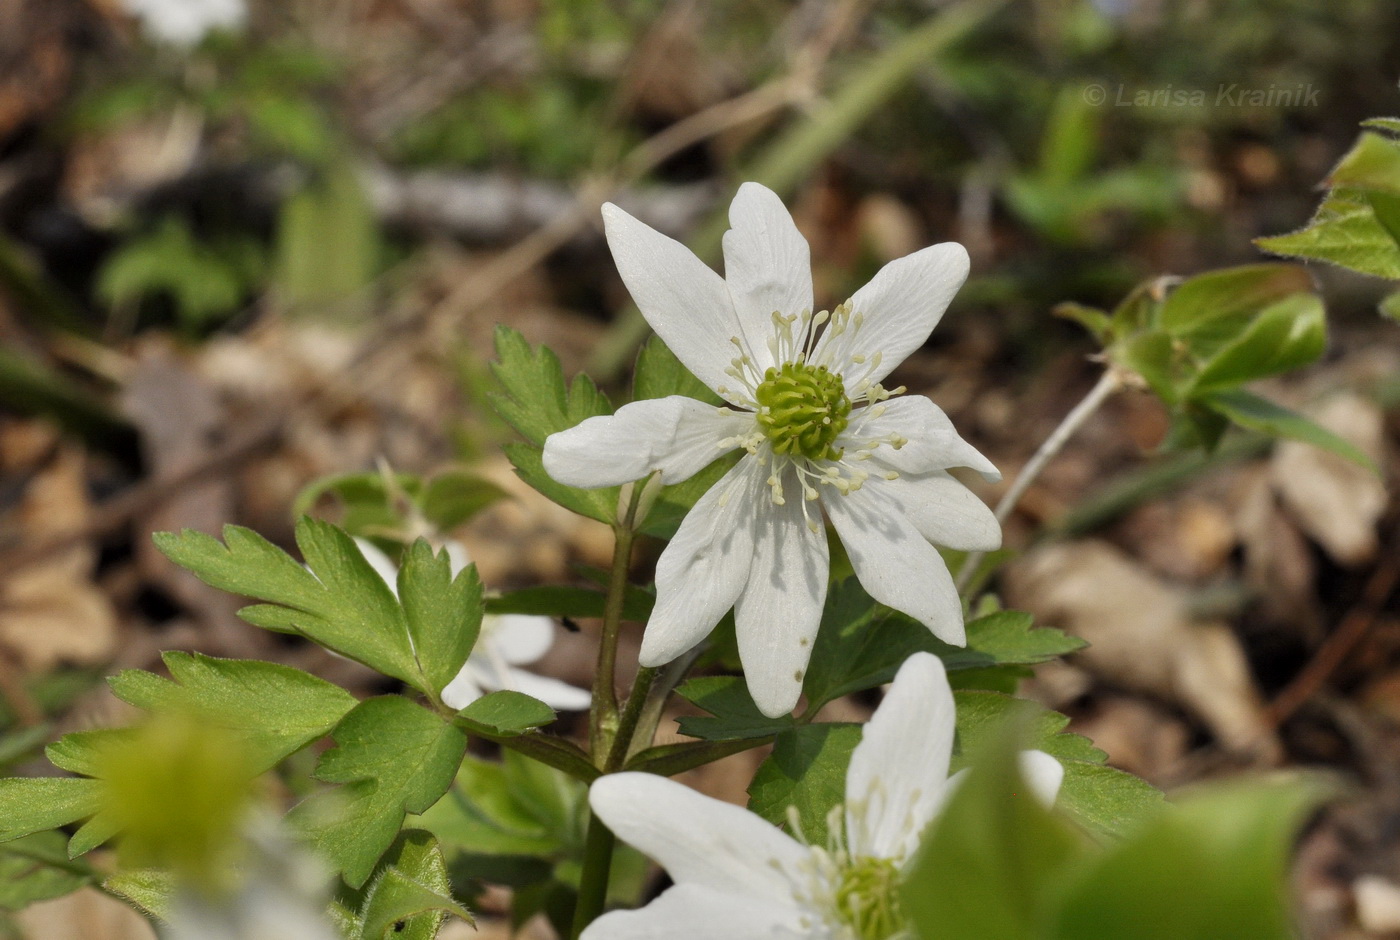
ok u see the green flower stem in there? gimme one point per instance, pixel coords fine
(627, 724)
(1109, 383)
(604, 717)
(593, 881)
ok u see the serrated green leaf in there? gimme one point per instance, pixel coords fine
(1103, 801)
(34, 804)
(1259, 414)
(275, 710)
(736, 717)
(534, 400)
(860, 646)
(1214, 866)
(1383, 124)
(81, 752)
(659, 374)
(1155, 356)
(150, 889)
(1344, 232)
(1386, 208)
(505, 713)
(1286, 335)
(600, 504)
(505, 809)
(1209, 310)
(443, 613)
(410, 895)
(392, 757)
(989, 865)
(806, 770)
(1372, 163)
(37, 868)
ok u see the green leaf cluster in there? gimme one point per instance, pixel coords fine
(407, 897)
(1357, 226)
(998, 865)
(378, 504)
(1197, 343)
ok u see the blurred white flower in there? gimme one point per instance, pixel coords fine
(186, 22)
(755, 541)
(506, 641)
(736, 876)
(283, 894)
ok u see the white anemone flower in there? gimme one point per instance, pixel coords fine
(506, 642)
(186, 22)
(739, 877)
(806, 404)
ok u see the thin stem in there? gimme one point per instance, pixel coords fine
(1110, 382)
(593, 881)
(603, 722)
(627, 725)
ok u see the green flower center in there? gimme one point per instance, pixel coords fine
(803, 409)
(867, 900)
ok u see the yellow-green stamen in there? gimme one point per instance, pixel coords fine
(867, 899)
(802, 410)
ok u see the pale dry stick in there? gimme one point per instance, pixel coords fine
(1110, 382)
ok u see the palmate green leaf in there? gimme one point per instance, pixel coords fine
(37, 868)
(1344, 232)
(408, 896)
(1104, 801)
(505, 714)
(340, 601)
(1258, 414)
(534, 400)
(1209, 310)
(34, 804)
(659, 374)
(736, 717)
(1215, 865)
(275, 710)
(393, 758)
(1286, 335)
(989, 865)
(806, 770)
(860, 645)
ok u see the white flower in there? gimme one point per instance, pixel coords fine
(186, 22)
(755, 541)
(505, 642)
(736, 876)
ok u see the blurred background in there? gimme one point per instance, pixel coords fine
(245, 244)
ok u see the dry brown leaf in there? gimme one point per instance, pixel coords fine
(1333, 500)
(1142, 637)
(50, 611)
(87, 914)
(1278, 565)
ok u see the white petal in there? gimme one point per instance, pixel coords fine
(944, 511)
(698, 839)
(933, 444)
(777, 615)
(767, 266)
(463, 689)
(901, 764)
(899, 309)
(677, 435)
(517, 638)
(457, 556)
(894, 562)
(380, 562)
(695, 912)
(1042, 773)
(702, 572)
(685, 302)
(557, 695)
